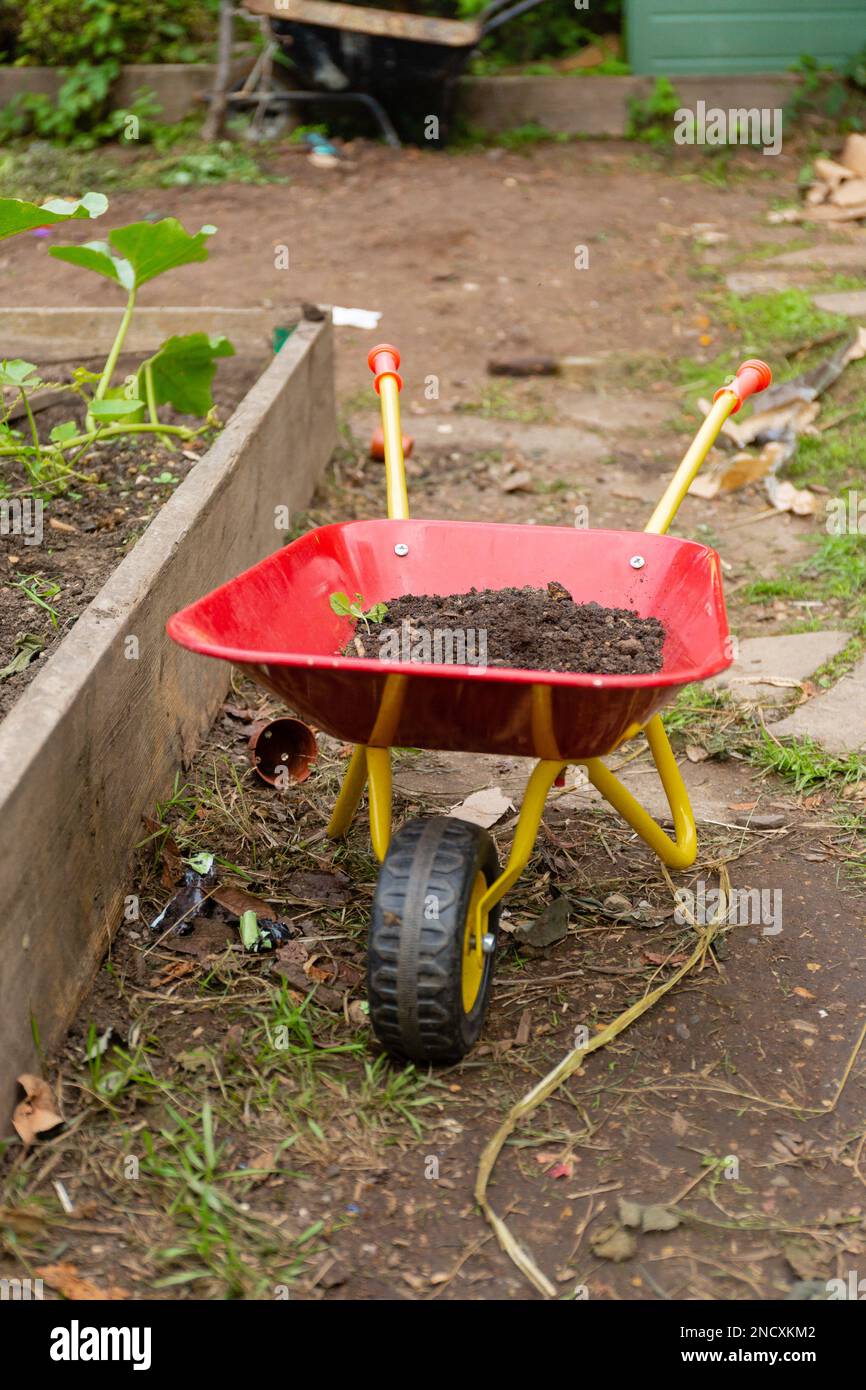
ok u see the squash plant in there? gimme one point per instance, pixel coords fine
(180, 373)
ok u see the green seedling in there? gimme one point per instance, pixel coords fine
(345, 608)
(179, 374)
(26, 648)
(40, 592)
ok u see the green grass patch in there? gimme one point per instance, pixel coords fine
(834, 456)
(837, 570)
(805, 764)
(497, 402)
(467, 137)
(770, 323)
(766, 590)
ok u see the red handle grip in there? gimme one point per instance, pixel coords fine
(752, 376)
(384, 360)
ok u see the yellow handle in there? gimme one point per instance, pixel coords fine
(751, 376)
(383, 361)
(395, 471)
(694, 456)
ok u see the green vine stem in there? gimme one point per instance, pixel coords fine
(111, 360)
(33, 430)
(112, 432)
(150, 397)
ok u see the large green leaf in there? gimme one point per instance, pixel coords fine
(17, 216)
(140, 251)
(98, 256)
(183, 371)
(154, 247)
(16, 372)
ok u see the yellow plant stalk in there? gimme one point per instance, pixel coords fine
(569, 1064)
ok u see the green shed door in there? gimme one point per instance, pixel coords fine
(666, 37)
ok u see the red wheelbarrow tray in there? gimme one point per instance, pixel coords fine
(275, 622)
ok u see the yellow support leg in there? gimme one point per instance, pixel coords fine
(351, 792)
(678, 853)
(379, 774)
(544, 774)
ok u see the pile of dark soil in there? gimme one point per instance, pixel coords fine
(528, 629)
(87, 530)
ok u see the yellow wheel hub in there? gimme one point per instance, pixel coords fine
(473, 952)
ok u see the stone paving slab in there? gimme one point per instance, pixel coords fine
(836, 718)
(762, 660)
(762, 281)
(851, 302)
(833, 257)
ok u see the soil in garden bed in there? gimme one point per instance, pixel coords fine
(87, 530)
(527, 629)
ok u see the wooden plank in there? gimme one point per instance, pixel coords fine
(363, 19)
(96, 738)
(45, 334)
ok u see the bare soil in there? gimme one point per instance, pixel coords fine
(88, 528)
(737, 1102)
(525, 629)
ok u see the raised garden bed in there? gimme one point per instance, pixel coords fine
(98, 734)
(178, 88)
(600, 105)
(88, 531)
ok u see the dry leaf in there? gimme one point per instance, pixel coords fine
(37, 1113)
(483, 808)
(237, 901)
(561, 1170)
(175, 971)
(517, 482)
(613, 1243)
(22, 1221)
(796, 415)
(849, 193)
(830, 172)
(65, 1280)
(659, 1218)
(695, 753)
(826, 213)
(853, 154)
(654, 1217)
(785, 497)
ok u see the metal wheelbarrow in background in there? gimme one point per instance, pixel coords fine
(433, 932)
(402, 67)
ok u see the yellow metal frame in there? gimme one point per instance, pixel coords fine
(373, 764)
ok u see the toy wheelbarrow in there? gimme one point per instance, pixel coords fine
(433, 934)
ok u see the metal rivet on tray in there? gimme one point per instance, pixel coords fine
(401, 548)
(637, 562)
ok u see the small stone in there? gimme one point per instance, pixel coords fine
(767, 820)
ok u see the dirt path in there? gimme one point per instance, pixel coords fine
(735, 1100)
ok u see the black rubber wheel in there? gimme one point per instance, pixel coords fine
(415, 964)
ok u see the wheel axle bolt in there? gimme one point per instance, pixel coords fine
(488, 943)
